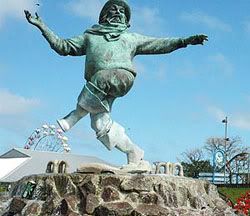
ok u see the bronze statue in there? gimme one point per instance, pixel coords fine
(109, 72)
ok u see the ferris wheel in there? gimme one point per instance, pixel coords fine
(48, 138)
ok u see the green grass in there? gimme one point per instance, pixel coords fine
(233, 193)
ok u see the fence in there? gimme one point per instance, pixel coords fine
(216, 178)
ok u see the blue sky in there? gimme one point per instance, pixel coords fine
(178, 100)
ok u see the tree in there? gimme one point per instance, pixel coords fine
(193, 163)
(231, 146)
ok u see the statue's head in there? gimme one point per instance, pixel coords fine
(115, 11)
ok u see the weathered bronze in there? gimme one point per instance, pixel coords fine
(109, 72)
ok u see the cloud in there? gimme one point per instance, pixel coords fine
(242, 121)
(14, 9)
(87, 9)
(206, 20)
(238, 120)
(143, 16)
(221, 63)
(16, 117)
(12, 104)
(218, 113)
(146, 17)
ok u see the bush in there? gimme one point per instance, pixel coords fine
(2, 189)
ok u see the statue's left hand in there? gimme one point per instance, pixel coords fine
(196, 39)
(34, 20)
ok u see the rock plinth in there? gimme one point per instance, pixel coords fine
(117, 195)
(4, 201)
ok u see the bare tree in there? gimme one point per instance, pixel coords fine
(194, 162)
(231, 146)
(192, 155)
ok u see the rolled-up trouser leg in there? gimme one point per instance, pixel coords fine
(72, 118)
(111, 134)
(101, 124)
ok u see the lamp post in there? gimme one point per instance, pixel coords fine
(225, 121)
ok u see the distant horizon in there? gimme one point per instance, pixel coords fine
(178, 100)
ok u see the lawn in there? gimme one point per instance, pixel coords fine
(233, 193)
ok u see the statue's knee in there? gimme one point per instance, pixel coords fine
(80, 111)
(100, 125)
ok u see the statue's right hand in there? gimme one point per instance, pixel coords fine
(34, 20)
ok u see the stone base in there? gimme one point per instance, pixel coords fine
(4, 201)
(98, 168)
(119, 195)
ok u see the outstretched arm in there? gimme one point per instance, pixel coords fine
(149, 45)
(74, 46)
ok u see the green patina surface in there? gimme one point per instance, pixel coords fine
(109, 46)
(109, 49)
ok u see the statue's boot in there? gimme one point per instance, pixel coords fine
(72, 118)
(116, 137)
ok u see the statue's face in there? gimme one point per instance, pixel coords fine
(116, 14)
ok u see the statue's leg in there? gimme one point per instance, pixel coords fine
(111, 134)
(72, 118)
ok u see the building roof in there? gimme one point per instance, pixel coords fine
(19, 162)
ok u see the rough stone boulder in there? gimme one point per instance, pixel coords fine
(117, 195)
(4, 201)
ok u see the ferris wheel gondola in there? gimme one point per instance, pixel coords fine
(48, 138)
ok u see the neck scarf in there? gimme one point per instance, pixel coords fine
(111, 31)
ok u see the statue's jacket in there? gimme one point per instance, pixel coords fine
(103, 54)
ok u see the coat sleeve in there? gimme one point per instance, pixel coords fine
(75, 46)
(150, 45)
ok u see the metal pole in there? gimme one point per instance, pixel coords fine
(213, 177)
(225, 147)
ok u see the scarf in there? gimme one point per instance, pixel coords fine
(111, 32)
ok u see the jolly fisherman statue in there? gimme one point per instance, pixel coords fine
(109, 72)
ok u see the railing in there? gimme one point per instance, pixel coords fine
(219, 178)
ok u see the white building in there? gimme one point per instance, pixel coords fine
(18, 163)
